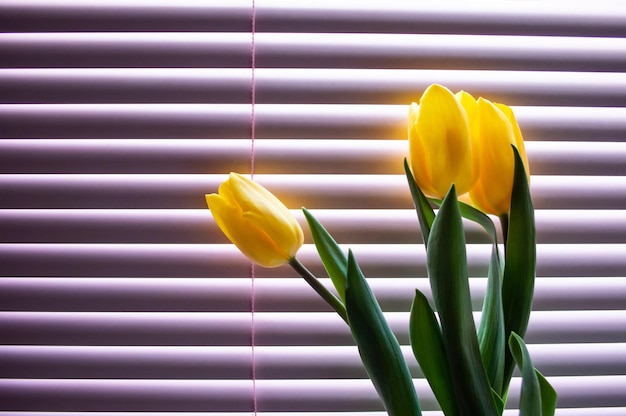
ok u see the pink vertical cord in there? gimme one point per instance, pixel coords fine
(252, 288)
(253, 92)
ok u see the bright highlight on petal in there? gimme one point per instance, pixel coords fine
(440, 147)
(255, 221)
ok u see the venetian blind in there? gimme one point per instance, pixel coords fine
(118, 292)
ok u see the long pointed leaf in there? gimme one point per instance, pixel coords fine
(447, 269)
(520, 261)
(498, 401)
(425, 212)
(530, 398)
(334, 260)
(491, 328)
(548, 396)
(378, 346)
(428, 348)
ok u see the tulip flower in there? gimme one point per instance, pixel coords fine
(255, 221)
(440, 147)
(494, 129)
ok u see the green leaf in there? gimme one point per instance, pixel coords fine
(447, 268)
(491, 328)
(530, 398)
(548, 396)
(378, 346)
(520, 261)
(425, 212)
(479, 217)
(428, 348)
(333, 258)
(498, 401)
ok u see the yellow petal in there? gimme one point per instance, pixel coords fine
(468, 103)
(249, 239)
(417, 156)
(250, 195)
(492, 192)
(287, 238)
(268, 213)
(440, 142)
(519, 140)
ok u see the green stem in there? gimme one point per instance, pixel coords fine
(330, 298)
(504, 224)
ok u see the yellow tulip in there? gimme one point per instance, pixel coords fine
(440, 148)
(255, 221)
(494, 129)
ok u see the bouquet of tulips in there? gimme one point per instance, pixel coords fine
(466, 158)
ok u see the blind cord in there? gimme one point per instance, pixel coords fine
(252, 90)
(252, 132)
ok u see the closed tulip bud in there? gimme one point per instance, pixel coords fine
(494, 129)
(440, 147)
(255, 221)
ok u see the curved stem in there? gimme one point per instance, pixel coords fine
(328, 296)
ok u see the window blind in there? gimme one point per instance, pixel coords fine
(120, 295)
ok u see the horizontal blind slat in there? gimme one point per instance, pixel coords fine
(279, 121)
(271, 362)
(302, 85)
(273, 395)
(187, 226)
(115, 362)
(91, 294)
(209, 260)
(115, 15)
(125, 395)
(215, 156)
(155, 50)
(401, 16)
(312, 50)
(392, 17)
(271, 328)
(178, 191)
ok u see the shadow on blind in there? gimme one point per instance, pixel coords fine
(118, 294)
